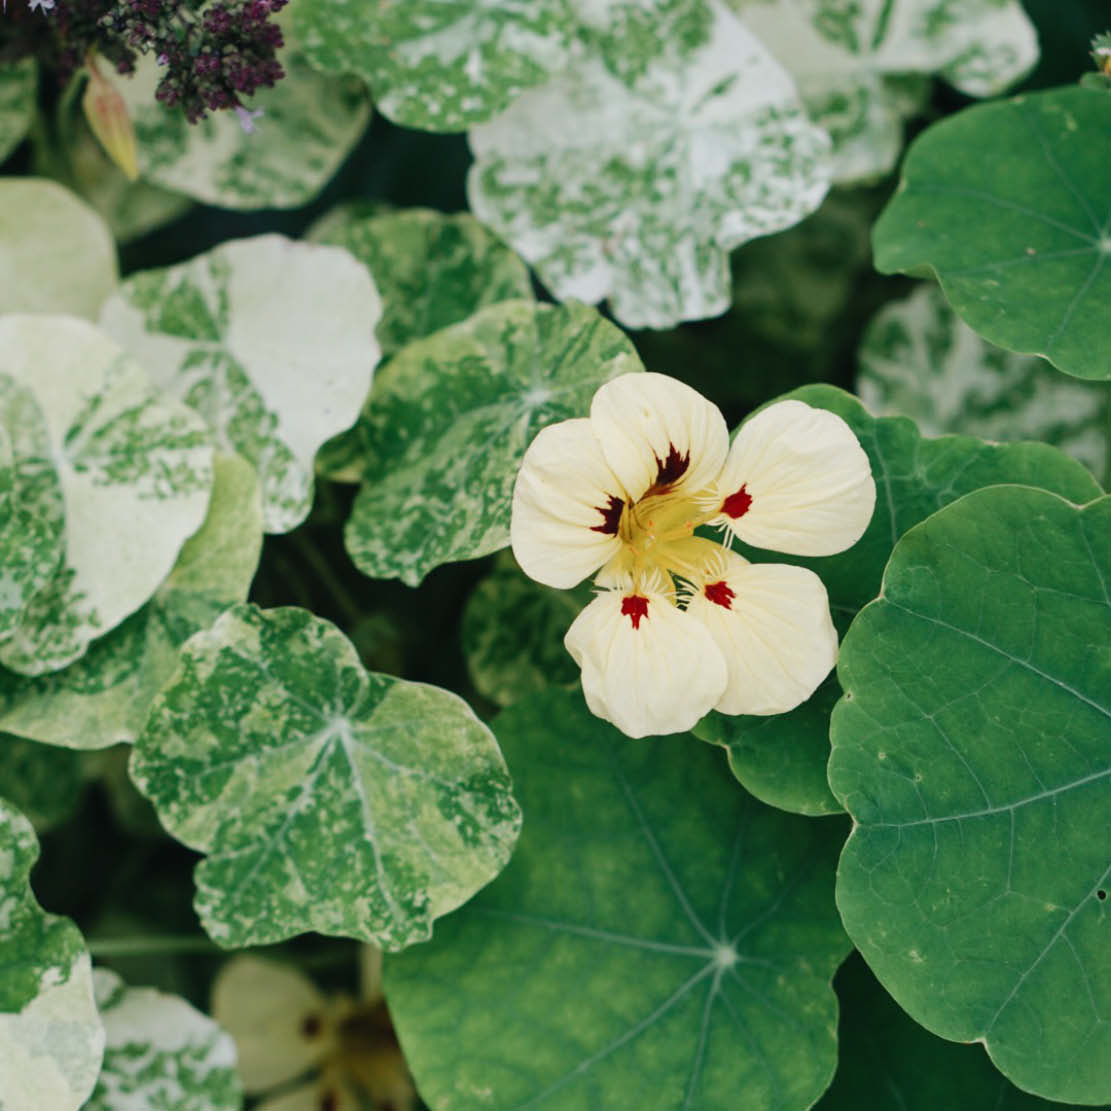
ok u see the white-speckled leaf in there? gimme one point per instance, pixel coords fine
(846, 55)
(920, 360)
(439, 65)
(637, 193)
(136, 474)
(327, 797)
(271, 341)
(309, 125)
(17, 102)
(56, 254)
(103, 698)
(51, 1039)
(448, 423)
(161, 1054)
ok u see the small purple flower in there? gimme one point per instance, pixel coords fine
(247, 118)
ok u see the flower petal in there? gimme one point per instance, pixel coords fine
(646, 666)
(567, 504)
(657, 433)
(798, 481)
(771, 624)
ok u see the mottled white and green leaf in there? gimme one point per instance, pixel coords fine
(103, 698)
(56, 254)
(309, 125)
(136, 473)
(919, 359)
(448, 423)
(51, 1039)
(326, 798)
(18, 81)
(161, 1053)
(270, 340)
(637, 193)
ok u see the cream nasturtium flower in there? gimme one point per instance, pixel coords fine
(684, 625)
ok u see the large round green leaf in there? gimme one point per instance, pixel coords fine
(973, 749)
(449, 420)
(782, 760)
(659, 939)
(327, 798)
(1009, 203)
(51, 1039)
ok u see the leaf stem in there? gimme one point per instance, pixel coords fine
(153, 944)
(344, 599)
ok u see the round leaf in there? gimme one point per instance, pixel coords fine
(135, 471)
(271, 341)
(1008, 203)
(449, 420)
(658, 940)
(44, 782)
(919, 359)
(327, 798)
(18, 82)
(51, 1039)
(161, 1053)
(972, 749)
(56, 254)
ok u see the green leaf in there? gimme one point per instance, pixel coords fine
(1008, 203)
(889, 1063)
(18, 83)
(275, 753)
(161, 1053)
(971, 748)
(434, 65)
(51, 1039)
(637, 193)
(44, 782)
(309, 125)
(450, 418)
(135, 471)
(56, 254)
(513, 631)
(658, 940)
(103, 698)
(920, 360)
(914, 478)
(270, 341)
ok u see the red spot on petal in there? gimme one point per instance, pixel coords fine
(311, 1026)
(671, 469)
(736, 505)
(329, 1101)
(720, 594)
(634, 607)
(611, 516)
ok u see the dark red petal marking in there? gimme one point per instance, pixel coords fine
(720, 594)
(634, 607)
(736, 505)
(611, 516)
(671, 469)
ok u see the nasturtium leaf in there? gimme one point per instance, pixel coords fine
(56, 254)
(659, 939)
(439, 65)
(327, 798)
(270, 340)
(136, 472)
(1008, 204)
(103, 698)
(448, 422)
(637, 193)
(18, 81)
(914, 478)
(309, 125)
(973, 750)
(887, 1062)
(44, 782)
(161, 1053)
(920, 360)
(513, 631)
(51, 1039)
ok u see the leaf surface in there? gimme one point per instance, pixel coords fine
(42, 781)
(18, 83)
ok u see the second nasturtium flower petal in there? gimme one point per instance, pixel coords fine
(796, 481)
(647, 666)
(771, 624)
